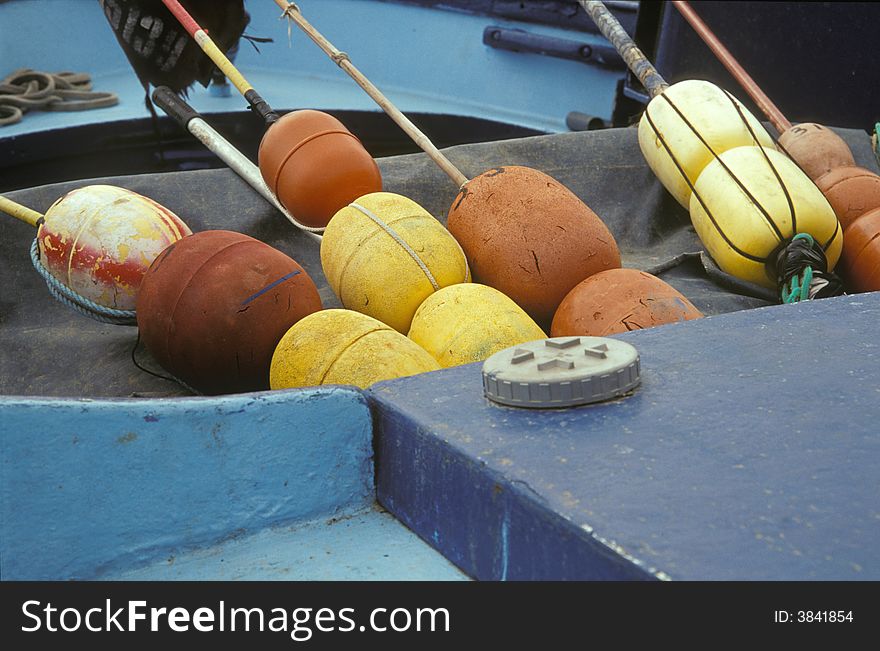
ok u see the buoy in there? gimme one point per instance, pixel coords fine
(551, 240)
(851, 191)
(315, 166)
(860, 262)
(311, 162)
(384, 254)
(530, 237)
(815, 149)
(468, 322)
(685, 124)
(99, 241)
(214, 305)
(747, 202)
(620, 300)
(344, 347)
(750, 203)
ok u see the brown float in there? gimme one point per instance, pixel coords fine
(213, 306)
(315, 166)
(860, 261)
(851, 191)
(620, 300)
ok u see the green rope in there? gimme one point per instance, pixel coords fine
(798, 288)
(875, 141)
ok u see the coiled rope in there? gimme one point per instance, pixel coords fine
(74, 301)
(29, 90)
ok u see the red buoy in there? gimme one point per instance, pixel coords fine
(213, 306)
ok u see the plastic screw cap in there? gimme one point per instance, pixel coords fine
(561, 372)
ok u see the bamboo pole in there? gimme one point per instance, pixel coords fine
(213, 52)
(18, 211)
(629, 51)
(293, 13)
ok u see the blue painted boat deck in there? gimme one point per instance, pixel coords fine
(264, 485)
(363, 545)
(751, 451)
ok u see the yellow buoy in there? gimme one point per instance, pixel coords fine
(344, 347)
(384, 254)
(683, 122)
(469, 322)
(744, 213)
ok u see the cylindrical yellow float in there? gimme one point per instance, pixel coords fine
(384, 254)
(469, 322)
(344, 347)
(685, 124)
(750, 202)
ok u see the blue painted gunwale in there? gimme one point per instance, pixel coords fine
(751, 451)
(93, 487)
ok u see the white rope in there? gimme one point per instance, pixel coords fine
(406, 247)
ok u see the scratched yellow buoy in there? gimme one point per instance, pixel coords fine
(100, 240)
(469, 322)
(384, 254)
(687, 122)
(745, 210)
(344, 347)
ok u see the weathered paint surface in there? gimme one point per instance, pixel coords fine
(751, 451)
(100, 240)
(362, 545)
(89, 488)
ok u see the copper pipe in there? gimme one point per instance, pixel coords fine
(768, 107)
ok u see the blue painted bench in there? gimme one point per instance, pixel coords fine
(751, 451)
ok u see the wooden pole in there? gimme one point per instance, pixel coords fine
(629, 51)
(769, 109)
(213, 52)
(292, 12)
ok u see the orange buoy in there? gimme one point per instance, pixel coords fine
(852, 191)
(620, 300)
(214, 305)
(816, 149)
(530, 237)
(315, 166)
(860, 261)
(310, 161)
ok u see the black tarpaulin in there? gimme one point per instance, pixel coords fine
(49, 350)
